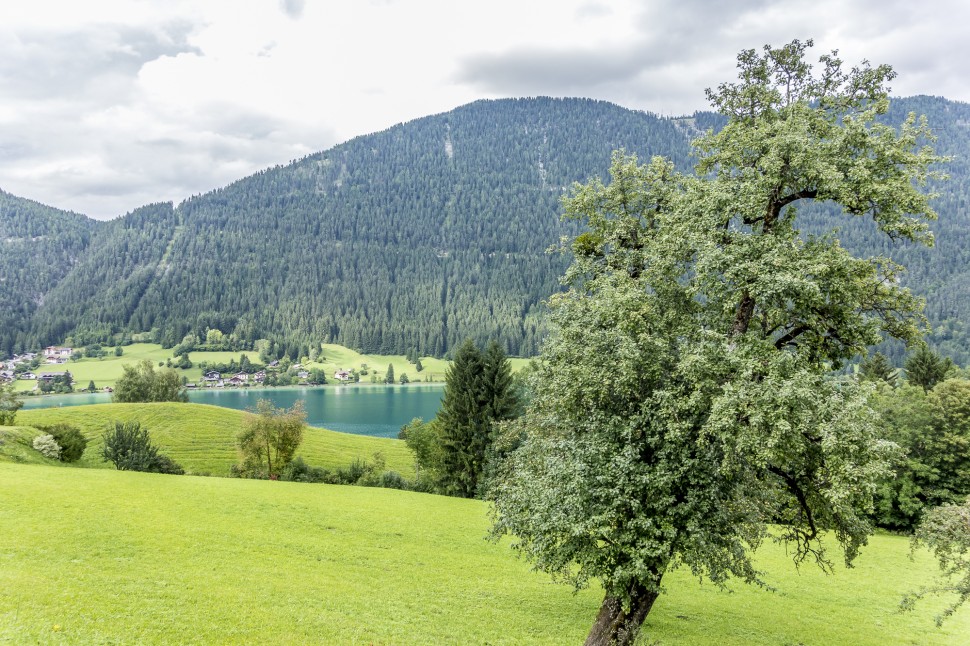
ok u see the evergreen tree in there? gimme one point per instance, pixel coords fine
(925, 368)
(389, 376)
(497, 383)
(464, 422)
(877, 368)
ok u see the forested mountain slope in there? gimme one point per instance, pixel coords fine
(414, 238)
(39, 246)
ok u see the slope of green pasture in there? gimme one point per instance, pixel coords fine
(202, 438)
(107, 370)
(16, 445)
(337, 357)
(147, 558)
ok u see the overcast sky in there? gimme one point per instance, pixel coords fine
(106, 106)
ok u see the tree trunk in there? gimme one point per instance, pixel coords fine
(617, 627)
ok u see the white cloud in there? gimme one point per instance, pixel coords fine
(113, 104)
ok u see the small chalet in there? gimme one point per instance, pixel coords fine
(54, 352)
(342, 375)
(274, 364)
(260, 376)
(28, 375)
(50, 376)
(6, 375)
(211, 376)
(303, 374)
(238, 380)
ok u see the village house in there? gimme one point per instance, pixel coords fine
(55, 354)
(342, 375)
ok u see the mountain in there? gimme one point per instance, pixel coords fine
(407, 240)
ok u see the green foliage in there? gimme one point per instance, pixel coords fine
(269, 439)
(945, 531)
(389, 375)
(47, 446)
(477, 393)
(129, 447)
(925, 368)
(876, 368)
(425, 443)
(933, 431)
(9, 404)
(62, 383)
(69, 437)
(683, 403)
(142, 383)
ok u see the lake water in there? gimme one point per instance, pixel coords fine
(376, 410)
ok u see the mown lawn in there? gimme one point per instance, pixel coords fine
(202, 438)
(99, 556)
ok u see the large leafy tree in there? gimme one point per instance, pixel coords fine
(142, 383)
(683, 406)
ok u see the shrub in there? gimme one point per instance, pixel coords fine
(70, 439)
(47, 446)
(130, 448)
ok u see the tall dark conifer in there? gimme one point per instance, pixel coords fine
(478, 392)
(464, 422)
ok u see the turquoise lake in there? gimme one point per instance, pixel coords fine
(375, 410)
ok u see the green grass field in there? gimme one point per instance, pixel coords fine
(200, 437)
(107, 557)
(107, 370)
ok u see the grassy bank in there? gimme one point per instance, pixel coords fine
(99, 556)
(202, 438)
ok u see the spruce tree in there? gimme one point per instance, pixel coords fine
(925, 368)
(464, 422)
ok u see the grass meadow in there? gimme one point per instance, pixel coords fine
(200, 437)
(93, 556)
(107, 370)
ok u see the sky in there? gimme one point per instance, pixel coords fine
(109, 105)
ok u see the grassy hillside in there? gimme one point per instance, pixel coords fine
(202, 438)
(106, 370)
(99, 556)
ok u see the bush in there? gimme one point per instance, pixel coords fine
(130, 448)
(70, 439)
(47, 446)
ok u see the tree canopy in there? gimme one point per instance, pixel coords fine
(684, 400)
(142, 383)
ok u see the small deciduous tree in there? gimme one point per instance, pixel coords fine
(270, 438)
(9, 404)
(143, 383)
(684, 401)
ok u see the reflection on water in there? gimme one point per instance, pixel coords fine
(362, 409)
